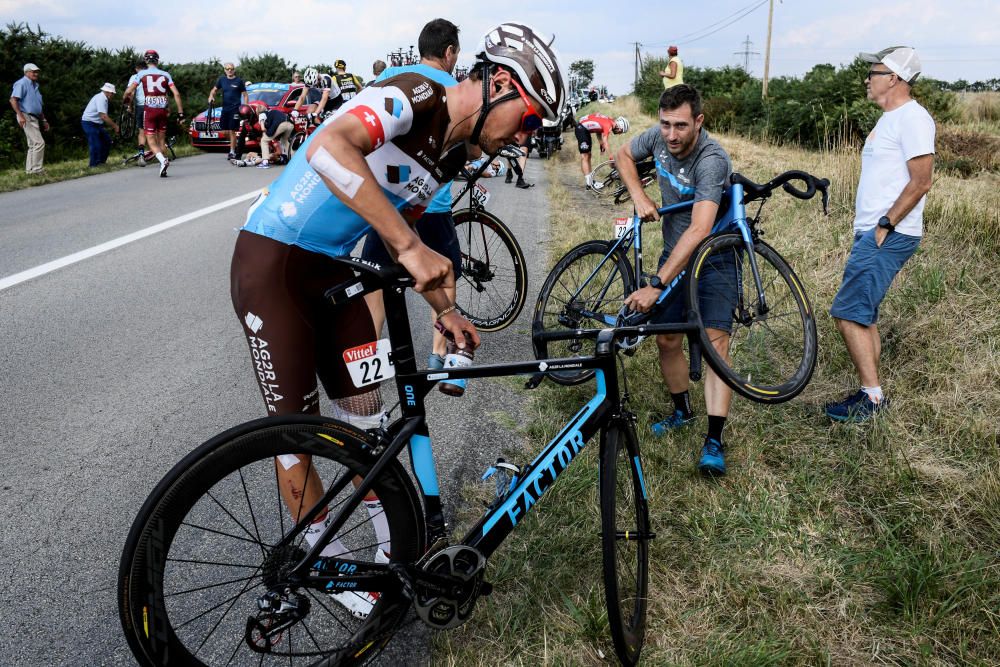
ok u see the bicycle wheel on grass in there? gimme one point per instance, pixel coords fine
(126, 128)
(771, 353)
(585, 290)
(494, 283)
(625, 539)
(201, 552)
(605, 179)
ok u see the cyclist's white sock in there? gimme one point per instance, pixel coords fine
(590, 179)
(380, 523)
(364, 410)
(874, 393)
(161, 158)
(315, 530)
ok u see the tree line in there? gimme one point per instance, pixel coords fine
(72, 72)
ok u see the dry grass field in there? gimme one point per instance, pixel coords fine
(826, 543)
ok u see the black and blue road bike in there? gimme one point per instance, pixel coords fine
(216, 569)
(769, 352)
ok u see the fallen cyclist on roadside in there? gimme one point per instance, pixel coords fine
(376, 164)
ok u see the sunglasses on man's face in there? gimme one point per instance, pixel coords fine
(875, 72)
(531, 120)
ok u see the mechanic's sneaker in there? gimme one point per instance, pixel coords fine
(264, 165)
(712, 462)
(231, 156)
(435, 362)
(163, 168)
(856, 408)
(510, 176)
(360, 603)
(524, 185)
(674, 421)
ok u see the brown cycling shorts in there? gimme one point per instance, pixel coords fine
(293, 332)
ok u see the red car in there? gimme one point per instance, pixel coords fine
(274, 95)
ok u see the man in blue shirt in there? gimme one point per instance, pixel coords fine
(438, 44)
(93, 120)
(26, 100)
(234, 92)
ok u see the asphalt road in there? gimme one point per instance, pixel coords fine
(116, 366)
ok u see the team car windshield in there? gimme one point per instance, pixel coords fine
(269, 96)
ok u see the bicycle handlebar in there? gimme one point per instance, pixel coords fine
(756, 191)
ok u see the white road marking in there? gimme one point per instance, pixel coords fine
(48, 267)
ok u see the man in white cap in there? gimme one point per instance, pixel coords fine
(26, 100)
(93, 120)
(897, 163)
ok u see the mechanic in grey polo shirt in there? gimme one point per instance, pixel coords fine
(26, 100)
(690, 165)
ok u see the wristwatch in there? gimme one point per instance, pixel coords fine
(884, 223)
(656, 282)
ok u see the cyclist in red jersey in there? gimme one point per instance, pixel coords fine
(155, 83)
(596, 122)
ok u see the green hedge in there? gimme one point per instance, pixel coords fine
(72, 72)
(825, 107)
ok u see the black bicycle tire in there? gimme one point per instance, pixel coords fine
(623, 195)
(140, 585)
(627, 625)
(792, 382)
(601, 249)
(515, 283)
(126, 127)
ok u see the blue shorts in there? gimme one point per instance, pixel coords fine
(436, 230)
(717, 294)
(868, 273)
(229, 119)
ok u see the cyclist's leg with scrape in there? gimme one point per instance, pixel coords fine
(280, 338)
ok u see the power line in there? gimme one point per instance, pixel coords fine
(749, 7)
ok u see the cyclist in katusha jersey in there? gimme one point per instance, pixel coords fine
(596, 122)
(439, 47)
(155, 83)
(377, 163)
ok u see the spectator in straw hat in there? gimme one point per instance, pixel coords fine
(26, 100)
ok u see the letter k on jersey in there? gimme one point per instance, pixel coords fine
(156, 84)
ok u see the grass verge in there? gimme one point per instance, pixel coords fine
(826, 543)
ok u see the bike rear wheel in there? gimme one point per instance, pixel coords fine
(494, 284)
(585, 290)
(771, 353)
(201, 552)
(625, 539)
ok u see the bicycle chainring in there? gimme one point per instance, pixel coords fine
(449, 611)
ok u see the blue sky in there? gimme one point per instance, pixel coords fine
(955, 39)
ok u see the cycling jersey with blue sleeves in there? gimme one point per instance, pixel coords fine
(442, 201)
(702, 175)
(406, 118)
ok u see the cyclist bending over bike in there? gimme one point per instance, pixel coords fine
(690, 166)
(604, 126)
(376, 164)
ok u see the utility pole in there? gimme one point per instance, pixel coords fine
(746, 53)
(767, 55)
(638, 58)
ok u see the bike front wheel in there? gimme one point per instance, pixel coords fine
(770, 354)
(204, 550)
(585, 290)
(605, 179)
(494, 283)
(625, 536)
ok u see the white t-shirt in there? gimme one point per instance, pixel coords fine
(98, 104)
(899, 135)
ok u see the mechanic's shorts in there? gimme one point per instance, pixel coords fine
(293, 332)
(718, 289)
(868, 273)
(229, 119)
(140, 115)
(154, 120)
(583, 141)
(436, 230)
